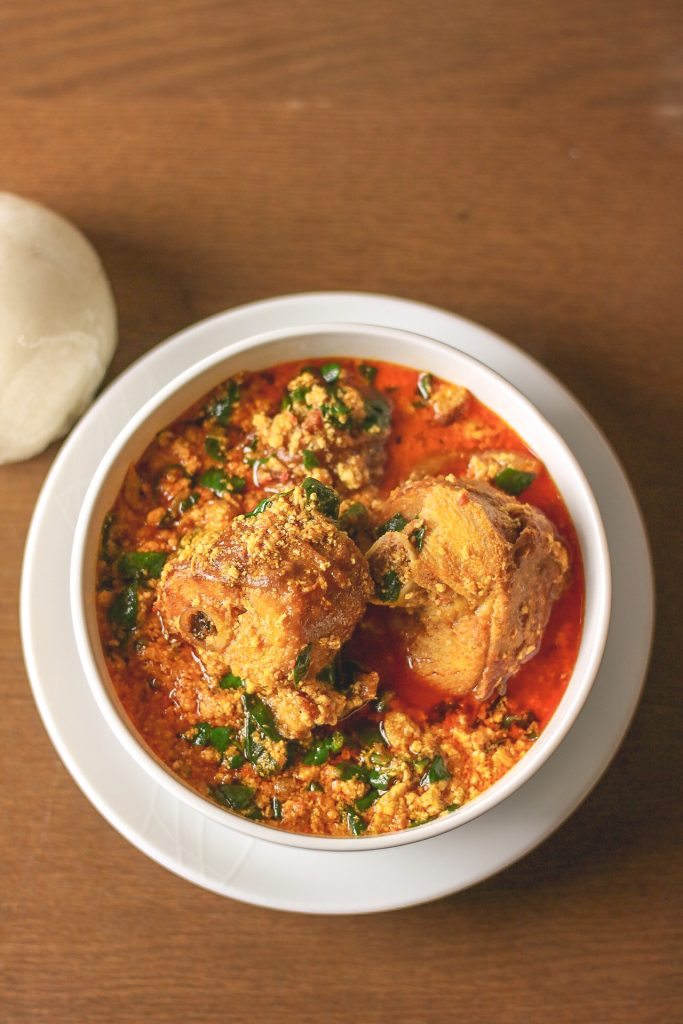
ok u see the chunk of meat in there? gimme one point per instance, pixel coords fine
(475, 574)
(272, 597)
(342, 425)
(448, 402)
(487, 465)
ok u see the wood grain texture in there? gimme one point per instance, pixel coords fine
(518, 163)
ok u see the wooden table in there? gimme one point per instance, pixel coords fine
(520, 163)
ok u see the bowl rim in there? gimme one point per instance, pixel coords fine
(123, 729)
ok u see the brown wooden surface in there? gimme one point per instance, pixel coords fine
(520, 163)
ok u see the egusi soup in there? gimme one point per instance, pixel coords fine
(339, 598)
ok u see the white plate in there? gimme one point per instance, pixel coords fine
(263, 873)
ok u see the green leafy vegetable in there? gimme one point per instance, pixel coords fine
(369, 372)
(123, 611)
(262, 715)
(389, 588)
(233, 795)
(142, 565)
(230, 682)
(310, 459)
(363, 802)
(453, 807)
(354, 822)
(208, 735)
(303, 660)
(221, 410)
(383, 701)
(276, 808)
(373, 777)
(425, 383)
(218, 482)
(337, 413)
(351, 517)
(393, 525)
(436, 772)
(171, 474)
(322, 750)
(523, 721)
(188, 502)
(214, 449)
(295, 397)
(340, 673)
(513, 481)
(261, 507)
(258, 720)
(377, 413)
(105, 539)
(327, 499)
(330, 372)
(314, 787)
(417, 536)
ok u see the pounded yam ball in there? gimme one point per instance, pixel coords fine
(271, 597)
(57, 326)
(472, 575)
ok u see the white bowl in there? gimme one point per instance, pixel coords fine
(368, 342)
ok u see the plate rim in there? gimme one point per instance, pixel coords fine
(181, 337)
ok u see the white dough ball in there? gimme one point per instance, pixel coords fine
(57, 326)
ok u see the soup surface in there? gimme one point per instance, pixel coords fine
(317, 695)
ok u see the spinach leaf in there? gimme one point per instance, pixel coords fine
(330, 372)
(417, 536)
(327, 500)
(425, 383)
(221, 410)
(303, 660)
(188, 502)
(214, 449)
(389, 588)
(436, 772)
(369, 372)
(123, 611)
(337, 413)
(310, 459)
(377, 413)
(384, 700)
(261, 507)
(354, 822)
(393, 525)
(363, 802)
(340, 673)
(142, 565)
(218, 736)
(351, 517)
(513, 481)
(233, 795)
(262, 716)
(217, 481)
(322, 750)
(295, 397)
(230, 682)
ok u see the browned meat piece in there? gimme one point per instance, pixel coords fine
(343, 425)
(472, 574)
(487, 465)
(272, 597)
(448, 402)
